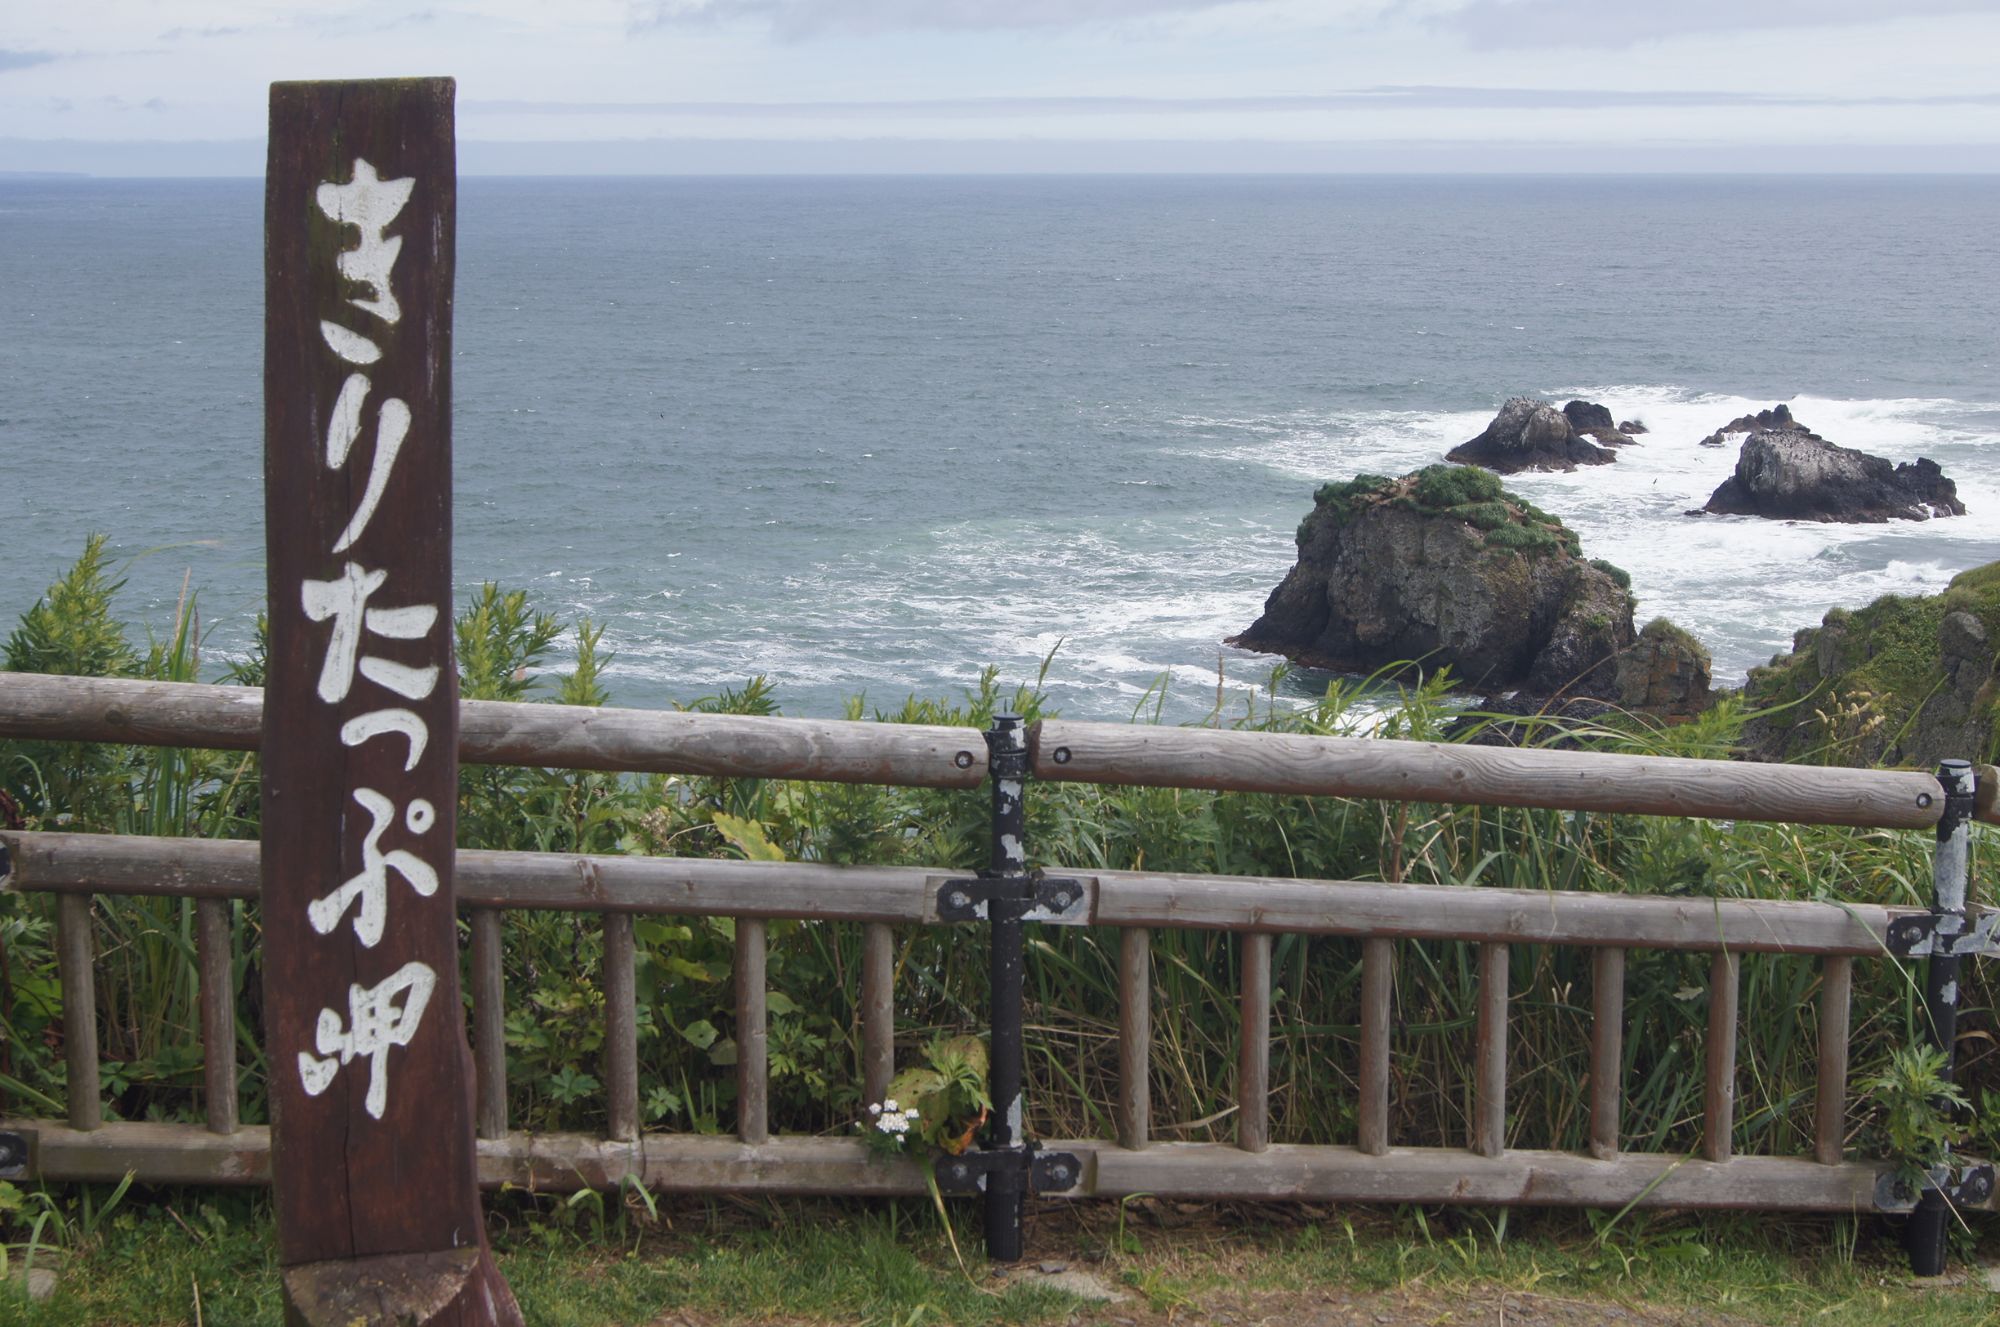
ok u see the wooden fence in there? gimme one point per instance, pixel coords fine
(75, 867)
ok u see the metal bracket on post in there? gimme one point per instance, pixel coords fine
(1054, 900)
(13, 1155)
(1922, 935)
(1046, 1172)
(1959, 1186)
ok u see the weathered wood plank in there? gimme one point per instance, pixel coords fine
(489, 1023)
(1378, 990)
(1489, 1074)
(621, 1030)
(1448, 1175)
(1836, 998)
(188, 1154)
(76, 970)
(753, 1074)
(496, 732)
(1253, 1062)
(185, 868)
(1135, 1037)
(1156, 756)
(1451, 912)
(371, 1076)
(1607, 1049)
(213, 960)
(878, 1010)
(77, 709)
(1719, 1096)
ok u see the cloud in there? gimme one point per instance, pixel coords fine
(846, 18)
(23, 59)
(1373, 98)
(1498, 24)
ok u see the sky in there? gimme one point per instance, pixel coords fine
(663, 86)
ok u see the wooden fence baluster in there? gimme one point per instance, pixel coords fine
(1378, 977)
(1719, 1106)
(489, 1025)
(1607, 1049)
(1135, 1037)
(1489, 1074)
(1253, 1070)
(752, 1034)
(77, 971)
(1835, 1002)
(878, 1010)
(621, 1030)
(218, 1013)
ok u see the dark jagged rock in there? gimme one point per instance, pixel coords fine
(1777, 419)
(1666, 671)
(1589, 420)
(1444, 568)
(1585, 415)
(1904, 681)
(1632, 428)
(1530, 435)
(1792, 474)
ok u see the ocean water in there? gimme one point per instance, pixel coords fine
(867, 436)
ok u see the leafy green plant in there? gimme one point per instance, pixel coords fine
(1919, 1110)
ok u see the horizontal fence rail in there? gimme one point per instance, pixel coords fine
(70, 709)
(1392, 770)
(493, 732)
(699, 886)
(668, 1163)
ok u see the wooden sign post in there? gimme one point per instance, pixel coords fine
(373, 1159)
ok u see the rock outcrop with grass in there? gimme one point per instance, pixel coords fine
(1533, 435)
(1447, 569)
(1904, 681)
(1785, 471)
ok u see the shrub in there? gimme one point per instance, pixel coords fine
(1484, 515)
(1622, 577)
(1343, 492)
(1442, 487)
(1521, 538)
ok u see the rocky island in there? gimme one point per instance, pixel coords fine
(1445, 568)
(1785, 471)
(1533, 435)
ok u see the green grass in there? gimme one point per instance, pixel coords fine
(891, 1264)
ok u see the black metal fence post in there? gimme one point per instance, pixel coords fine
(1006, 1184)
(1006, 895)
(1950, 865)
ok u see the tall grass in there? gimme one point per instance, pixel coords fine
(554, 1025)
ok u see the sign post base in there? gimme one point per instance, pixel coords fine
(448, 1289)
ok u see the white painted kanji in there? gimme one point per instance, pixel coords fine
(374, 1023)
(369, 203)
(385, 723)
(371, 883)
(345, 601)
